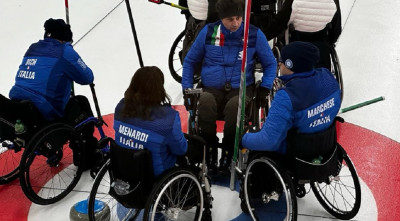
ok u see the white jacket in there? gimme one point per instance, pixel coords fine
(198, 8)
(311, 15)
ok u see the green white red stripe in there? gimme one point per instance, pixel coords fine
(217, 38)
(242, 96)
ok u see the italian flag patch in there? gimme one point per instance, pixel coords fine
(217, 37)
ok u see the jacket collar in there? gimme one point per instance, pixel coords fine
(226, 32)
(286, 78)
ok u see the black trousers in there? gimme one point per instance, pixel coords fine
(215, 104)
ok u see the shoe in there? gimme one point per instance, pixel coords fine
(224, 163)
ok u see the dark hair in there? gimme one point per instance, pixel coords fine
(57, 29)
(145, 93)
(229, 8)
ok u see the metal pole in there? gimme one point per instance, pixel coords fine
(67, 11)
(67, 21)
(362, 104)
(128, 7)
(242, 97)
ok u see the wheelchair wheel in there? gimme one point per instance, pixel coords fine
(99, 194)
(175, 57)
(10, 156)
(47, 167)
(336, 69)
(269, 192)
(340, 195)
(176, 196)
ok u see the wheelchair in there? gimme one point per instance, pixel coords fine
(270, 182)
(261, 10)
(180, 193)
(55, 153)
(254, 118)
(12, 145)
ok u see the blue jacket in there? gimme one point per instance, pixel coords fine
(308, 101)
(162, 136)
(45, 75)
(221, 52)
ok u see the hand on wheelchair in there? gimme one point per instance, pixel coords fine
(247, 129)
(262, 97)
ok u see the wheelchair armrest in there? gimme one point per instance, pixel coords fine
(103, 142)
(195, 138)
(194, 91)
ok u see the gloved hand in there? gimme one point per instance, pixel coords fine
(247, 129)
(188, 100)
(262, 96)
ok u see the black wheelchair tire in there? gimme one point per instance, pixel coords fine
(105, 198)
(35, 153)
(336, 69)
(289, 187)
(174, 51)
(92, 196)
(9, 159)
(331, 207)
(168, 180)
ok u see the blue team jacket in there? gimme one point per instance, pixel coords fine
(308, 101)
(221, 52)
(162, 136)
(45, 75)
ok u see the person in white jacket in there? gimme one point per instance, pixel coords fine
(318, 22)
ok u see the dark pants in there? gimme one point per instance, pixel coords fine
(216, 105)
(77, 110)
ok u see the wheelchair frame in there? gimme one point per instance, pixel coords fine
(175, 59)
(12, 145)
(46, 169)
(162, 201)
(339, 194)
(255, 118)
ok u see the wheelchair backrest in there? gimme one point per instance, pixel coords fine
(134, 169)
(303, 148)
(308, 146)
(77, 110)
(23, 110)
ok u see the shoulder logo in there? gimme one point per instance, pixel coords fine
(288, 63)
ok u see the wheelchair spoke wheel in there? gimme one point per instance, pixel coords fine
(10, 155)
(336, 69)
(9, 164)
(99, 197)
(176, 196)
(48, 172)
(269, 192)
(340, 195)
(175, 60)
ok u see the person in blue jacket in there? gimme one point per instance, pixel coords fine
(144, 118)
(219, 48)
(308, 101)
(48, 69)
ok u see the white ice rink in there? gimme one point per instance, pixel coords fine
(369, 52)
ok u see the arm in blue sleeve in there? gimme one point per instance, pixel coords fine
(267, 59)
(193, 57)
(77, 70)
(177, 142)
(274, 131)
